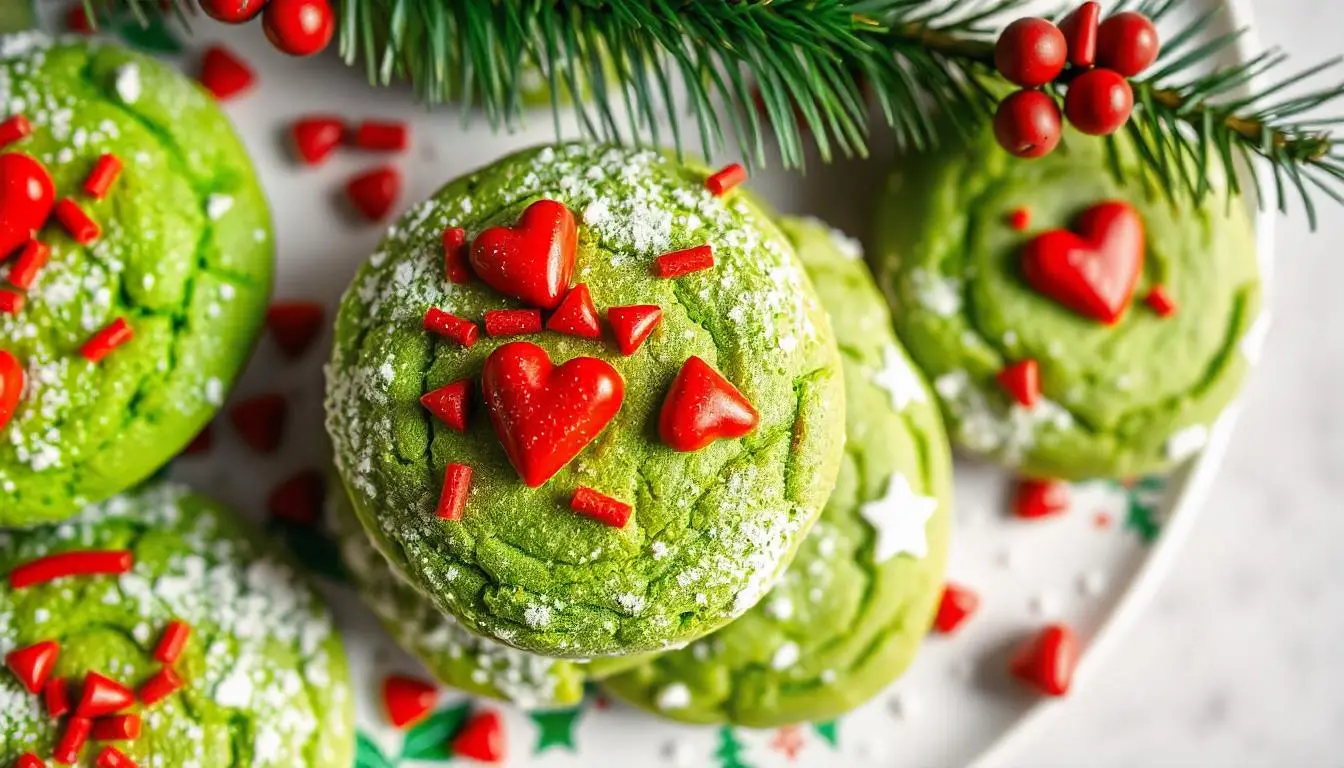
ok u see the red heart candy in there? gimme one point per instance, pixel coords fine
(545, 414)
(702, 407)
(1092, 272)
(532, 260)
(26, 198)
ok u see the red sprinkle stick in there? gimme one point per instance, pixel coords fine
(456, 488)
(31, 260)
(117, 728)
(15, 129)
(1158, 300)
(159, 687)
(111, 757)
(382, 135)
(11, 302)
(512, 322)
(29, 760)
(75, 221)
(104, 173)
(455, 255)
(172, 642)
(115, 334)
(451, 326)
(726, 179)
(72, 740)
(56, 695)
(600, 507)
(79, 562)
(684, 262)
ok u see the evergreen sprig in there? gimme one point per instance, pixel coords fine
(749, 72)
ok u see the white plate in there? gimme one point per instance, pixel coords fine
(955, 706)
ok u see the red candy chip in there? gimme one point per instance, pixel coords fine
(159, 687)
(29, 760)
(103, 176)
(375, 192)
(408, 700)
(600, 507)
(72, 740)
(456, 256)
(33, 664)
(632, 325)
(260, 421)
(576, 315)
(173, 641)
(111, 757)
(11, 302)
(481, 738)
(104, 342)
(56, 696)
(684, 262)
(294, 325)
(1046, 662)
(450, 326)
(298, 499)
(955, 606)
(512, 322)
(224, 74)
(450, 403)
(1158, 301)
(1040, 498)
(31, 260)
(719, 183)
(456, 491)
(382, 135)
(701, 407)
(1022, 380)
(11, 386)
(316, 137)
(15, 129)
(117, 728)
(102, 696)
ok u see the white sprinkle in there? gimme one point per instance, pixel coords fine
(128, 83)
(218, 205)
(1092, 584)
(674, 696)
(785, 656)
(1187, 442)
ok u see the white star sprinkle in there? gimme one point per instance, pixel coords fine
(899, 518)
(899, 379)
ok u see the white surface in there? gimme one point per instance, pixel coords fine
(1238, 662)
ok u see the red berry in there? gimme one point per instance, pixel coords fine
(224, 74)
(1030, 52)
(955, 606)
(1099, 102)
(374, 193)
(1080, 34)
(408, 700)
(481, 738)
(1127, 43)
(316, 137)
(232, 11)
(1046, 661)
(299, 27)
(1027, 124)
(298, 499)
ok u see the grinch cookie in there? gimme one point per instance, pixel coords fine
(1072, 326)
(848, 615)
(594, 488)
(129, 317)
(160, 619)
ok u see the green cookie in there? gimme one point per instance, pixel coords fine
(453, 655)
(849, 613)
(185, 257)
(711, 529)
(1116, 400)
(265, 675)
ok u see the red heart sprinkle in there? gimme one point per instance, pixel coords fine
(33, 664)
(260, 421)
(544, 414)
(102, 344)
(382, 135)
(450, 326)
(102, 696)
(117, 728)
(111, 757)
(512, 322)
(315, 137)
(684, 262)
(955, 606)
(450, 403)
(1040, 498)
(408, 700)
(29, 760)
(532, 260)
(11, 302)
(31, 260)
(1158, 301)
(600, 507)
(1022, 380)
(1046, 662)
(456, 491)
(455, 256)
(701, 407)
(159, 687)
(173, 641)
(576, 315)
(481, 739)
(298, 499)
(719, 183)
(1080, 34)
(56, 695)
(11, 386)
(16, 128)
(632, 325)
(72, 740)
(224, 74)
(294, 325)
(374, 193)
(1094, 271)
(103, 176)
(26, 198)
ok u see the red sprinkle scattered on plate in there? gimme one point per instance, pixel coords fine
(1036, 499)
(224, 74)
(298, 498)
(260, 421)
(955, 606)
(408, 700)
(375, 192)
(315, 137)
(294, 325)
(481, 738)
(382, 135)
(1046, 661)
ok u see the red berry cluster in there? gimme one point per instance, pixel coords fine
(296, 27)
(1090, 57)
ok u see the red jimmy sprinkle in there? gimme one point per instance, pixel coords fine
(111, 757)
(11, 302)
(684, 262)
(29, 760)
(726, 179)
(72, 740)
(117, 728)
(456, 488)
(600, 507)
(451, 326)
(159, 687)
(173, 641)
(15, 129)
(102, 696)
(104, 173)
(382, 135)
(32, 665)
(80, 562)
(512, 322)
(75, 221)
(31, 260)
(114, 335)
(56, 695)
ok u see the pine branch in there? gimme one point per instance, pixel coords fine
(794, 71)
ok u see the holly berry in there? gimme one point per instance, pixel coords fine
(1031, 52)
(1028, 124)
(1099, 102)
(1127, 43)
(232, 11)
(299, 27)
(1080, 33)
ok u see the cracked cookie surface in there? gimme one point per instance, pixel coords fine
(185, 257)
(711, 530)
(1117, 401)
(844, 621)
